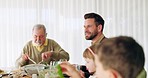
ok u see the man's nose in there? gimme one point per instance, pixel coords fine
(38, 38)
(85, 29)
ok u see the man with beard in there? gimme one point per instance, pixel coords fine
(93, 26)
(41, 49)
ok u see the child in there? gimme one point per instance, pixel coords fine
(119, 57)
(89, 58)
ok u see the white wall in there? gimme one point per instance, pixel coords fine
(64, 22)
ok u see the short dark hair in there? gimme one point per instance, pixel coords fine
(122, 54)
(98, 19)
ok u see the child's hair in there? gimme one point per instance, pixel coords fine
(88, 54)
(122, 54)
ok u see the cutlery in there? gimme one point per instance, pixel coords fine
(41, 61)
(32, 60)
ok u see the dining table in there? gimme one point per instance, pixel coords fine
(12, 72)
(22, 72)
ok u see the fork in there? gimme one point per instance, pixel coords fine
(41, 61)
(32, 60)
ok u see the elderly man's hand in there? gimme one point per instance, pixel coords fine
(25, 57)
(46, 55)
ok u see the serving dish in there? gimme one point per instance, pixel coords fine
(33, 68)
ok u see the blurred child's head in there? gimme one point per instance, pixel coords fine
(119, 57)
(89, 58)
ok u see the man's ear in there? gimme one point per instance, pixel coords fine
(99, 27)
(46, 34)
(114, 74)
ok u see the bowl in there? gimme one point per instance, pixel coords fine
(33, 68)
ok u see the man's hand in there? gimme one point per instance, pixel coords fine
(46, 55)
(25, 57)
